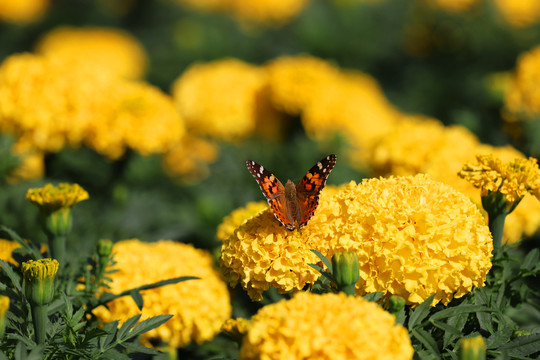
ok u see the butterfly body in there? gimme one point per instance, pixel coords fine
(293, 205)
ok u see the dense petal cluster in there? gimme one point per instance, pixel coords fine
(522, 98)
(102, 49)
(56, 197)
(22, 11)
(414, 237)
(47, 108)
(329, 326)
(238, 217)
(262, 11)
(200, 307)
(224, 99)
(513, 179)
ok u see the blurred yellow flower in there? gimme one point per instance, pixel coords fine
(519, 13)
(52, 197)
(101, 49)
(200, 307)
(414, 237)
(514, 179)
(522, 98)
(135, 116)
(236, 218)
(6, 250)
(236, 328)
(188, 159)
(22, 11)
(31, 166)
(296, 81)
(224, 99)
(453, 5)
(329, 326)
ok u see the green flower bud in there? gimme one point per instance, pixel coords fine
(346, 271)
(4, 307)
(519, 333)
(104, 248)
(395, 304)
(39, 280)
(472, 348)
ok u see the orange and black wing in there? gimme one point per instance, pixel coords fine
(309, 188)
(273, 190)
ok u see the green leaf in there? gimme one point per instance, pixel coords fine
(457, 322)
(428, 341)
(374, 296)
(420, 312)
(111, 329)
(137, 297)
(324, 273)
(149, 324)
(458, 310)
(136, 347)
(523, 346)
(324, 259)
(29, 249)
(15, 278)
(531, 260)
(127, 326)
(484, 318)
(163, 283)
(114, 355)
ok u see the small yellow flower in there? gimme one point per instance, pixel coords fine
(6, 250)
(51, 198)
(519, 13)
(513, 179)
(329, 326)
(4, 305)
(200, 307)
(236, 328)
(238, 217)
(39, 280)
(22, 11)
(472, 348)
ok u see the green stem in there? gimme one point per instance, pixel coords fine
(348, 289)
(58, 247)
(496, 226)
(39, 317)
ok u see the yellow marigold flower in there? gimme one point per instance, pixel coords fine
(295, 81)
(265, 11)
(414, 237)
(22, 11)
(519, 13)
(513, 179)
(453, 5)
(102, 49)
(4, 305)
(238, 217)
(522, 98)
(223, 99)
(188, 159)
(6, 250)
(134, 116)
(31, 166)
(347, 107)
(52, 197)
(200, 307)
(236, 328)
(329, 326)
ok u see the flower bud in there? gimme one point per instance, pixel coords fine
(104, 248)
(472, 348)
(39, 280)
(395, 304)
(346, 271)
(4, 306)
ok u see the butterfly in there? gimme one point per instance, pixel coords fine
(293, 204)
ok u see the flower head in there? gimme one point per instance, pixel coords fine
(329, 326)
(414, 237)
(199, 306)
(101, 49)
(50, 198)
(238, 217)
(519, 13)
(22, 11)
(513, 179)
(39, 280)
(236, 328)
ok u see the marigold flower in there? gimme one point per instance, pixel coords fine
(101, 49)
(212, 106)
(472, 348)
(519, 13)
(414, 237)
(238, 217)
(200, 307)
(329, 326)
(4, 307)
(513, 179)
(6, 250)
(32, 163)
(188, 159)
(51, 198)
(236, 328)
(39, 280)
(22, 11)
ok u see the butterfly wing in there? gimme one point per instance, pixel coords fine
(273, 190)
(309, 188)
